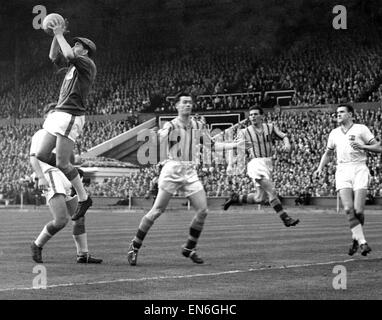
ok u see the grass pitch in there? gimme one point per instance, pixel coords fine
(248, 254)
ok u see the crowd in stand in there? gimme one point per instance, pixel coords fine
(14, 158)
(376, 95)
(323, 71)
(96, 132)
(308, 132)
(15, 170)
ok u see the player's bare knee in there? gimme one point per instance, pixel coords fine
(154, 213)
(61, 222)
(348, 210)
(272, 197)
(351, 216)
(42, 156)
(359, 210)
(202, 214)
(69, 171)
(63, 166)
(270, 191)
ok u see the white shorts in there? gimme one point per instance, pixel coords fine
(352, 176)
(65, 124)
(260, 168)
(58, 183)
(178, 176)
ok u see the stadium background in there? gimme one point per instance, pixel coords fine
(282, 55)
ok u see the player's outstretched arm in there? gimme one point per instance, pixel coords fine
(219, 146)
(239, 142)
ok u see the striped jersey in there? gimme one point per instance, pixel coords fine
(259, 143)
(181, 142)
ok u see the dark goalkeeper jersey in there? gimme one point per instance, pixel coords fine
(76, 85)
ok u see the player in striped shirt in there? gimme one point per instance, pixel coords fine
(258, 139)
(350, 141)
(179, 140)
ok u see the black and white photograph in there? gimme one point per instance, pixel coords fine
(191, 155)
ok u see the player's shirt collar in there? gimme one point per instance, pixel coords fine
(257, 130)
(184, 124)
(345, 132)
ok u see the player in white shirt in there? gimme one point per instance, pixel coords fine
(352, 174)
(61, 204)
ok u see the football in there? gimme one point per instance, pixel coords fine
(46, 23)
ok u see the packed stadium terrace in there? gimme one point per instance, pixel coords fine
(328, 70)
(308, 132)
(15, 143)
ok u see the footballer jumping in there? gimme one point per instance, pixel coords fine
(65, 124)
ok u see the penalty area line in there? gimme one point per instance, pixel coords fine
(196, 275)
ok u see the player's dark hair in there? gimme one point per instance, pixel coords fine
(183, 94)
(90, 52)
(348, 107)
(257, 108)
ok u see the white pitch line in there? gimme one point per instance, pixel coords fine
(72, 284)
